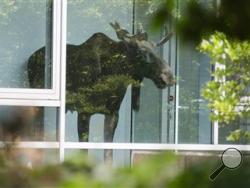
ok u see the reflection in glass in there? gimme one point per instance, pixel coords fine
(85, 18)
(25, 26)
(194, 125)
(33, 157)
(27, 123)
(104, 62)
(235, 132)
(100, 69)
(151, 109)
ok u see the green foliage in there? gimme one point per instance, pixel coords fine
(156, 171)
(196, 176)
(225, 92)
(164, 170)
(238, 134)
(92, 99)
(231, 76)
(163, 10)
(196, 18)
(82, 172)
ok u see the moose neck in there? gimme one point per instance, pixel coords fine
(136, 65)
(142, 69)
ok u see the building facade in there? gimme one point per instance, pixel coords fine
(175, 118)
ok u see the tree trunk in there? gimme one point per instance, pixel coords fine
(83, 127)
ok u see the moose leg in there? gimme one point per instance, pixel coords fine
(110, 125)
(83, 127)
(136, 97)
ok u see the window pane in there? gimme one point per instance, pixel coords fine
(153, 122)
(34, 157)
(194, 124)
(107, 67)
(85, 105)
(237, 128)
(25, 49)
(28, 123)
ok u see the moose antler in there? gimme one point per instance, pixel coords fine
(121, 33)
(165, 39)
(141, 35)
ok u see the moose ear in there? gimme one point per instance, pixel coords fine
(146, 45)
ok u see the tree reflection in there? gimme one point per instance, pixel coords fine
(99, 72)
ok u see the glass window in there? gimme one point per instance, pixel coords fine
(26, 44)
(153, 120)
(26, 123)
(193, 71)
(112, 66)
(235, 129)
(120, 83)
(194, 125)
(95, 88)
(34, 157)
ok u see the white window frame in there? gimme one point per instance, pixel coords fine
(56, 98)
(43, 97)
(42, 94)
(134, 146)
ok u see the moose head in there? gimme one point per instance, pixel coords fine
(143, 52)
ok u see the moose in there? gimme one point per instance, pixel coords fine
(99, 71)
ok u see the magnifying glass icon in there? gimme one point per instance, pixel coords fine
(231, 158)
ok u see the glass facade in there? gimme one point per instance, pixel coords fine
(35, 157)
(117, 92)
(193, 114)
(152, 121)
(239, 125)
(26, 27)
(28, 123)
(86, 18)
(140, 115)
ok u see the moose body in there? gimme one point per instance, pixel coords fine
(98, 74)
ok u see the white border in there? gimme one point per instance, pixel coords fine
(38, 145)
(26, 102)
(63, 7)
(216, 133)
(35, 145)
(142, 146)
(129, 146)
